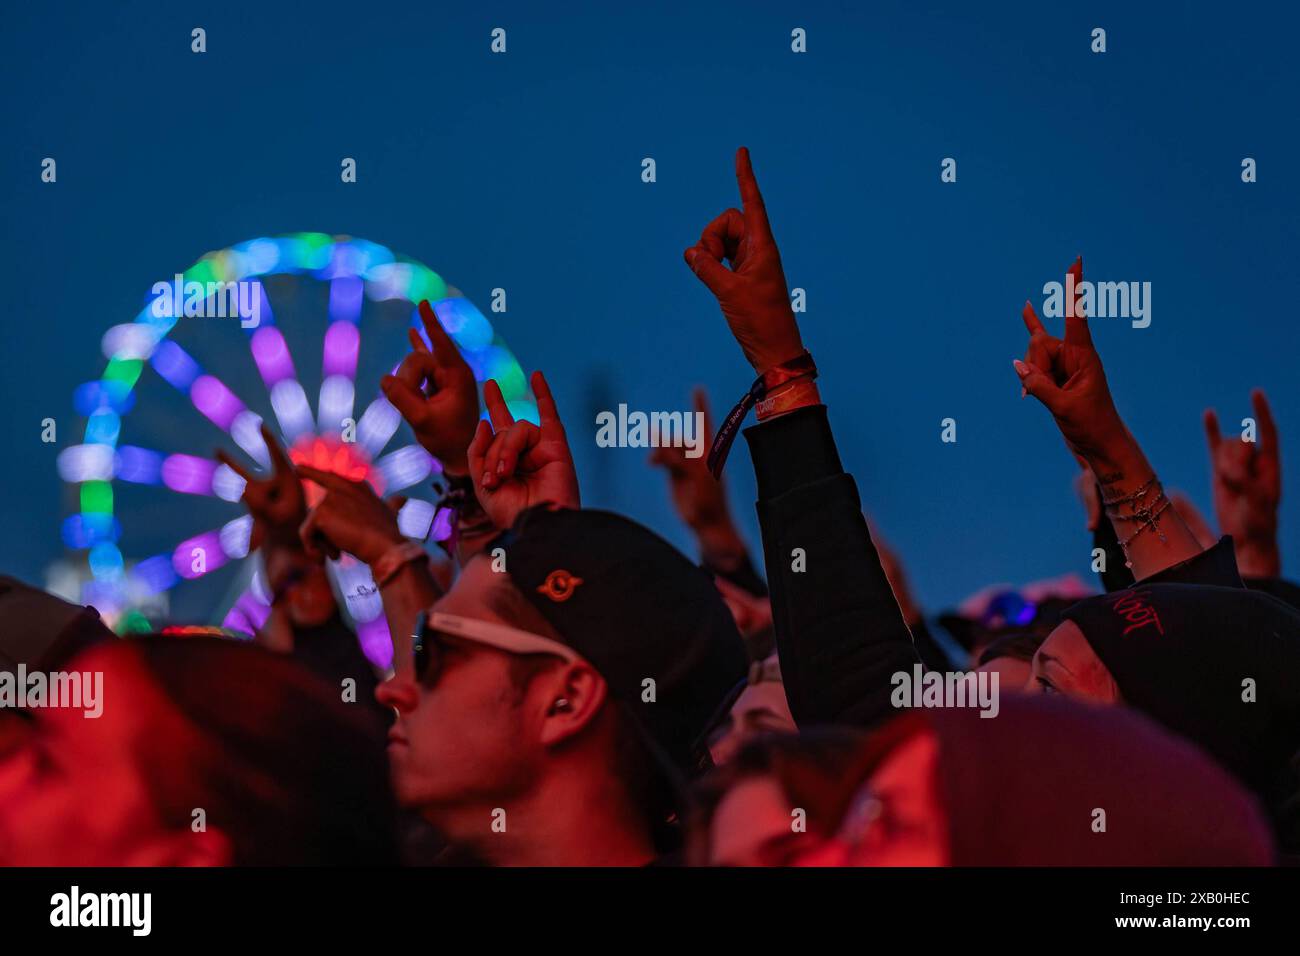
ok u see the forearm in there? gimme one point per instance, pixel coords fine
(409, 591)
(1150, 531)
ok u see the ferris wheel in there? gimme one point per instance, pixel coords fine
(265, 282)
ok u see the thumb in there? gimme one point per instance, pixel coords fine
(1038, 384)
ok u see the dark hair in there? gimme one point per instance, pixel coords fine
(1020, 645)
(278, 762)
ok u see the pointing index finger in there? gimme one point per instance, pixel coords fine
(750, 198)
(444, 349)
(279, 459)
(1076, 323)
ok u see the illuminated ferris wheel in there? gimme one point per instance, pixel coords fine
(360, 283)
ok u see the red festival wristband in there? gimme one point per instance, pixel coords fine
(801, 366)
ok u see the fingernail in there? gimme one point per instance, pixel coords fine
(487, 479)
(1021, 368)
(501, 468)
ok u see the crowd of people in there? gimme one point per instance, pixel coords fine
(569, 689)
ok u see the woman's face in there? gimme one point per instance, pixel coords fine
(755, 825)
(761, 708)
(898, 821)
(72, 791)
(1012, 671)
(1066, 664)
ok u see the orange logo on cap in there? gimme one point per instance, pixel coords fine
(559, 585)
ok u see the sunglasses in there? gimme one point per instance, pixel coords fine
(433, 629)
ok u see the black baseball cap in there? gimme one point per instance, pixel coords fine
(38, 629)
(639, 611)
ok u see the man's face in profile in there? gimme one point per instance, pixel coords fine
(459, 738)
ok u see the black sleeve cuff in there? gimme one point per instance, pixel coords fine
(1216, 565)
(792, 450)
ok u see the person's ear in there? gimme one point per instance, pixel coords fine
(575, 694)
(210, 847)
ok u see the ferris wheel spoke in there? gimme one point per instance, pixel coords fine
(404, 467)
(377, 425)
(249, 612)
(204, 553)
(212, 397)
(275, 365)
(339, 359)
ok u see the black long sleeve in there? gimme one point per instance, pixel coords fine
(840, 635)
(1216, 565)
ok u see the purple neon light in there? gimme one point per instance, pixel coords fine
(215, 400)
(342, 341)
(443, 524)
(237, 620)
(196, 556)
(256, 611)
(376, 642)
(271, 353)
(188, 474)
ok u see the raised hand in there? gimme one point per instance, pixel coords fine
(699, 498)
(1247, 479)
(516, 465)
(701, 501)
(1066, 375)
(752, 293)
(436, 394)
(351, 518)
(276, 502)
